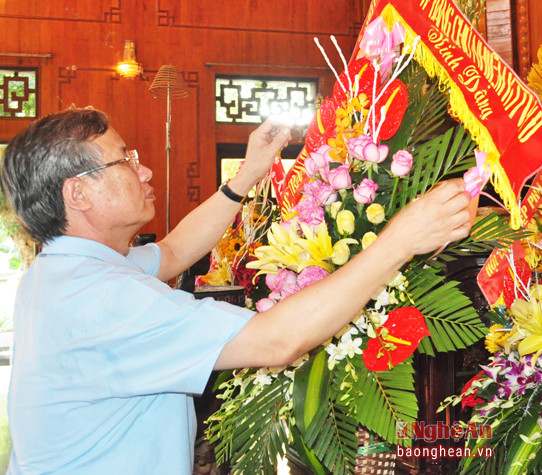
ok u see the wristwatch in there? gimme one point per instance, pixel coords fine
(231, 194)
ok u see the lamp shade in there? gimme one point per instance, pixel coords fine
(129, 67)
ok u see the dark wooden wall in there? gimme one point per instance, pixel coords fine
(514, 29)
(201, 38)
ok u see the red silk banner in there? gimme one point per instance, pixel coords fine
(491, 277)
(503, 116)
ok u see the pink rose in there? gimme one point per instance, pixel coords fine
(356, 145)
(310, 167)
(401, 163)
(366, 192)
(264, 304)
(309, 275)
(283, 282)
(375, 153)
(321, 192)
(339, 178)
(322, 157)
(310, 212)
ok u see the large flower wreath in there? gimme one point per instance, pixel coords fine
(380, 141)
(506, 395)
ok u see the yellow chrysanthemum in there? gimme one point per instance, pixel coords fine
(496, 339)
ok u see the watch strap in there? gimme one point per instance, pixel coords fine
(231, 194)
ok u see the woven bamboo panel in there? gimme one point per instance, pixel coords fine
(374, 456)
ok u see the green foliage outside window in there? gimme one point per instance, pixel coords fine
(16, 92)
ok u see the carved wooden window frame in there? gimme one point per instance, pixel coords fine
(18, 113)
(243, 110)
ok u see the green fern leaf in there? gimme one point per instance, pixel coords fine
(388, 399)
(488, 233)
(251, 439)
(331, 433)
(445, 155)
(333, 440)
(450, 317)
(426, 111)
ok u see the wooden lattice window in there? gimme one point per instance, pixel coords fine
(250, 100)
(18, 92)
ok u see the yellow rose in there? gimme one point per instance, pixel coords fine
(334, 208)
(375, 213)
(341, 254)
(368, 239)
(345, 222)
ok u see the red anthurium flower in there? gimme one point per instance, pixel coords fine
(363, 68)
(472, 399)
(322, 126)
(520, 279)
(399, 338)
(395, 98)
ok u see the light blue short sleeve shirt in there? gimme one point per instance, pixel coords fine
(106, 359)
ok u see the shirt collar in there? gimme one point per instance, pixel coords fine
(70, 245)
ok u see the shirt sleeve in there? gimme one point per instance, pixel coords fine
(146, 257)
(164, 340)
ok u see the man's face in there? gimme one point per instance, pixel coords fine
(122, 196)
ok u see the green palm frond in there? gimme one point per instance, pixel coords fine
(432, 114)
(434, 160)
(449, 314)
(484, 465)
(310, 393)
(388, 400)
(251, 438)
(327, 427)
(332, 436)
(488, 233)
(426, 111)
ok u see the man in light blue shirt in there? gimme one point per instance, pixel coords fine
(107, 356)
(105, 370)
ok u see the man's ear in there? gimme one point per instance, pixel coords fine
(75, 197)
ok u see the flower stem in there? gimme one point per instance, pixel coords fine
(395, 184)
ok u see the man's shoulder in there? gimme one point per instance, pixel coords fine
(66, 250)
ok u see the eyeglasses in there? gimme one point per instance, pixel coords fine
(131, 158)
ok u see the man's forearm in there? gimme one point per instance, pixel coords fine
(196, 234)
(201, 229)
(307, 318)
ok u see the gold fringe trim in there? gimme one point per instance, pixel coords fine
(460, 111)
